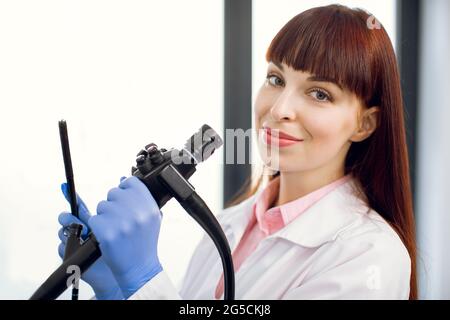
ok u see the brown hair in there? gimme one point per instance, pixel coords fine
(346, 45)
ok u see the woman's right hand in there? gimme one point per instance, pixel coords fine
(98, 276)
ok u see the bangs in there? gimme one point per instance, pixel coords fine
(329, 42)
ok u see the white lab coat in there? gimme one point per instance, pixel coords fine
(336, 249)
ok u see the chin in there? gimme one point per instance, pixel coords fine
(282, 165)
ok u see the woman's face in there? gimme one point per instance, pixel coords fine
(322, 116)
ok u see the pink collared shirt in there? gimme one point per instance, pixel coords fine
(266, 221)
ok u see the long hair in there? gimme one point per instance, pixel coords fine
(350, 46)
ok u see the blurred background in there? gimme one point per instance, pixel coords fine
(126, 73)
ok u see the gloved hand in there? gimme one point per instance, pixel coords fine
(98, 276)
(127, 228)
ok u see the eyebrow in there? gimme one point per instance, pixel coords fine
(313, 77)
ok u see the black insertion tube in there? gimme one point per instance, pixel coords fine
(198, 210)
(57, 283)
(68, 166)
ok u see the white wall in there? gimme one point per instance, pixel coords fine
(433, 188)
(123, 73)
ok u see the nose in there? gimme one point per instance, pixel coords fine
(283, 108)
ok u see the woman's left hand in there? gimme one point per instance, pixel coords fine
(127, 228)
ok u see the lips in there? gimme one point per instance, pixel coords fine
(277, 138)
(275, 133)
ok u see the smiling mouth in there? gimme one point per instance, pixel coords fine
(277, 133)
(278, 139)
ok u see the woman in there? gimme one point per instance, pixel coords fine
(335, 221)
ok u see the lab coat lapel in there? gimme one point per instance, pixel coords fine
(324, 220)
(320, 223)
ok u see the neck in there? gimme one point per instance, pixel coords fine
(294, 185)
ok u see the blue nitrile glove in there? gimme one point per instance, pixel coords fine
(98, 276)
(127, 228)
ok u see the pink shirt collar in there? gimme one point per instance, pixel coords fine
(270, 220)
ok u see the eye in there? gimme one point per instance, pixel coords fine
(274, 80)
(321, 95)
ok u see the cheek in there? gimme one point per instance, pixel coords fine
(329, 126)
(328, 133)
